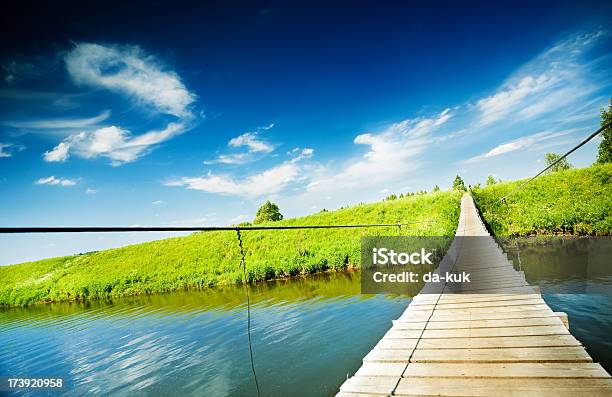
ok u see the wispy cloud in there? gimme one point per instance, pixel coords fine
(53, 181)
(252, 141)
(9, 149)
(539, 106)
(270, 181)
(130, 71)
(267, 182)
(59, 123)
(393, 153)
(554, 79)
(531, 142)
(115, 143)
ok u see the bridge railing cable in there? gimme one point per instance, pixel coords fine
(578, 146)
(237, 229)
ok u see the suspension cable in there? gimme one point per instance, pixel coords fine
(111, 229)
(248, 299)
(593, 135)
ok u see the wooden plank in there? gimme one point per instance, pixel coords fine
(518, 302)
(389, 355)
(490, 309)
(469, 324)
(477, 316)
(477, 332)
(515, 370)
(370, 384)
(491, 332)
(574, 354)
(388, 343)
(503, 387)
(381, 369)
(469, 298)
(494, 336)
(500, 342)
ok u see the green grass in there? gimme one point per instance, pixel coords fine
(576, 202)
(212, 258)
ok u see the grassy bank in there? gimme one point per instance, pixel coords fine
(577, 202)
(205, 259)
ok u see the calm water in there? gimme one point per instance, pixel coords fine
(308, 333)
(575, 277)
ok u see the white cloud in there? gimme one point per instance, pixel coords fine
(302, 154)
(393, 153)
(58, 153)
(554, 79)
(90, 191)
(268, 182)
(52, 180)
(526, 142)
(60, 123)
(251, 141)
(513, 95)
(129, 70)
(157, 202)
(113, 142)
(235, 158)
(8, 149)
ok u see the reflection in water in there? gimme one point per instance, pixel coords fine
(575, 277)
(308, 333)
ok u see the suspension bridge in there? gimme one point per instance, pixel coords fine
(493, 336)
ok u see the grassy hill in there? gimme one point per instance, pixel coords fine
(576, 201)
(212, 258)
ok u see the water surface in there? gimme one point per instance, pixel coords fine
(308, 333)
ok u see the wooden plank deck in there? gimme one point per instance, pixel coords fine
(495, 336)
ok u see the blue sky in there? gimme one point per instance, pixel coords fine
(196, 115)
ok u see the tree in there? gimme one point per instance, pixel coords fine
(436, 188)
(491, 180)
(268, 212)
(605, 146)
(561, 165)
(458, 184)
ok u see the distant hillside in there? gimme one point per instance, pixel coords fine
(205, 259)
(575, 201)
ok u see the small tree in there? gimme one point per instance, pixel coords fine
(491, 180)
(605, 146)
(436, 188)
(550, 158)
(268, 212)
(458, 184)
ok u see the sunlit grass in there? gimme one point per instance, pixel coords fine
(212, 258)
(576, 201)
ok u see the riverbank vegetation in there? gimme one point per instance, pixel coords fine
(213, 258)
(568, 201)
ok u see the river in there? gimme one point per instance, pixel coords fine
(308, 333)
